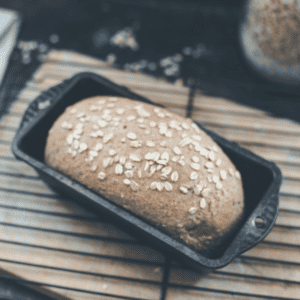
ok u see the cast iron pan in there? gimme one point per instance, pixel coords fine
(261, 178)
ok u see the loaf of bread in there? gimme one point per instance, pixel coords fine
(156, 164)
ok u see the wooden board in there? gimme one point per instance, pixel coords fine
(57, 247)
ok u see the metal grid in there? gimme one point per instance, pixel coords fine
(269, 271)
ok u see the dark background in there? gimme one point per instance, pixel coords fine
(193, 40)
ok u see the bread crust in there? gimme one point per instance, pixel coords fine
(156, 164)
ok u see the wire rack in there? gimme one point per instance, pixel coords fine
(54, 246)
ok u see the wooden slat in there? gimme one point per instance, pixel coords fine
(289, 202)
(253, 122)
(188, 294)
(80, 263)
(17, 168)
(61, 224)
(83, 245)
(217, 104)
(240, 135)
(286, 155)
(234, 284)
(275, 252)
(86, 282)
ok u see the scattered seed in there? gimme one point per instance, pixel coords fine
(167, 170)
(197, 137)
(128, 165)
(112, 152)
(177, 151)
(185, 126)
(66, 125)
(76, 145)
(100, 133)
(70, 139)
(165, 156)
(94, 134)
(205, 192)
(98, 147)
(160, 186)
(134, 186)
(195, 159)
(216, 179)
(126, 181)
(119, 169)
(149, 156)
(134, 157)
(196, 128)
(212, 156)
(147, 165)
(192, 210)
(181, 162)
(102, 123)
(219, 185)
(82, 147)
(101, 175)
(231, 172)
(131, 135)
(197, 189)
(128, 174)
(153, 185)
(93, 167)
(122, 160)
(174, 176)
(169, 134)
(93, 153)
(218, 162)
(135, 144)
(163, 176)
(209, 165)
(131, 118)
(223, 175)
(152, 124)
(202, 203)
(107, 137)
(183, 189)
(168, 186)
(195, 166)
(107, 162)
(159, 167)
(238, 175)
(150, 144)
(156, 156)
(194, 176)
(120, 111)
(123, 140)
(163, 144)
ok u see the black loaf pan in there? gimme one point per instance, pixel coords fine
(261, 178)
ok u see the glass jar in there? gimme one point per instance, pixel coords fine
(270, 39)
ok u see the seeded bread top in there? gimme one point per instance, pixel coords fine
(152, 162)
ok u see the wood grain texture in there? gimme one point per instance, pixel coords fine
(77, 255)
